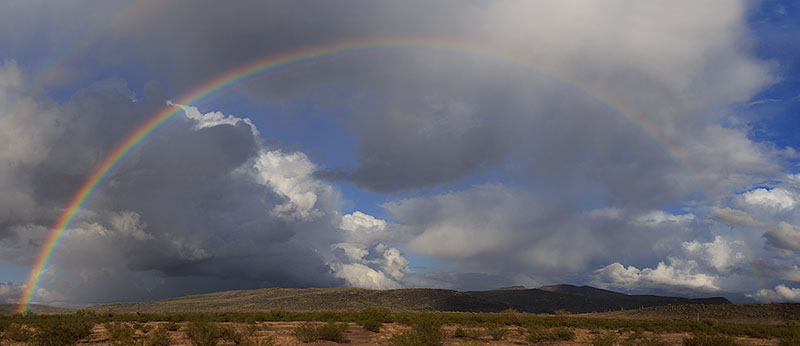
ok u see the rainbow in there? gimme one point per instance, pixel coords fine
(273, 63)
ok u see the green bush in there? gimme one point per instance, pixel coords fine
(17, 332)
(332, 332)
(538, 335)
(61, 332)
(427, 332)
(468, 333)
(376, 313)
(120, 334)
(497, 331)
(371, 325)
(306, 332)
(609, 338)
(710, 340)
(171, 326)
(252, 329)
(268, 341)
(203, 333)
(562, 333)
(230, 334)
(309, 332)
(159, 337)
(639, 339)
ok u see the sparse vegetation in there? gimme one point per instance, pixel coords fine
(158, 337)
(232, 335)
(120, 334)
(471, 333)
(608, 338)
(244, 328)
(171, 326)
(427, 332)
(497, 331)
(538, 334)
(563, 333)
(204, 333)
(310, 332)
(710, 340)
(62, 331)
(638, 338)
(371, 325)
(17, 332)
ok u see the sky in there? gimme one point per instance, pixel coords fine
(641, 147)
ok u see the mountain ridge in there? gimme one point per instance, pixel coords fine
(547, 299)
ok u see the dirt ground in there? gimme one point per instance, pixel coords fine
(281, 332)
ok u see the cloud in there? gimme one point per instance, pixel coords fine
(425, 117)
(212, 119)
(776, 198)
(719, 254)
(701, 267)
(781, 293)
(531, 160)
(784, 236)
(677, 275)
(375, 267)
(201, 205)
(736, 217)
(500, 229)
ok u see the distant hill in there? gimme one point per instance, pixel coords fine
(738, 313)
(545, 300)
(583, 299)
(9, 309)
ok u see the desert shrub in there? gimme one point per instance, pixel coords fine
(468, 333)
(789, 341)
(497, 331)
(203, 333)
(252, 329)
(171, 326)
(309, 332)
(608, 338)
(639, 339)
(305, 332)
(539, 335)
(376, 313)
(710, 340)
(332, 332)
(371, 325)
(562, 333)
(17, 332)
(120, 334)
(268, 341)
(427, 332)
(230, 334)
(158, 337)
(60, 332)
(411, 338)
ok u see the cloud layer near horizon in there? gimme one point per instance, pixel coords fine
(624, 166)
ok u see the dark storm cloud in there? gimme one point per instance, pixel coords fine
(185, 206)
(491, 227)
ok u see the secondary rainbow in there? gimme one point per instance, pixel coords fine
(273, 63)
